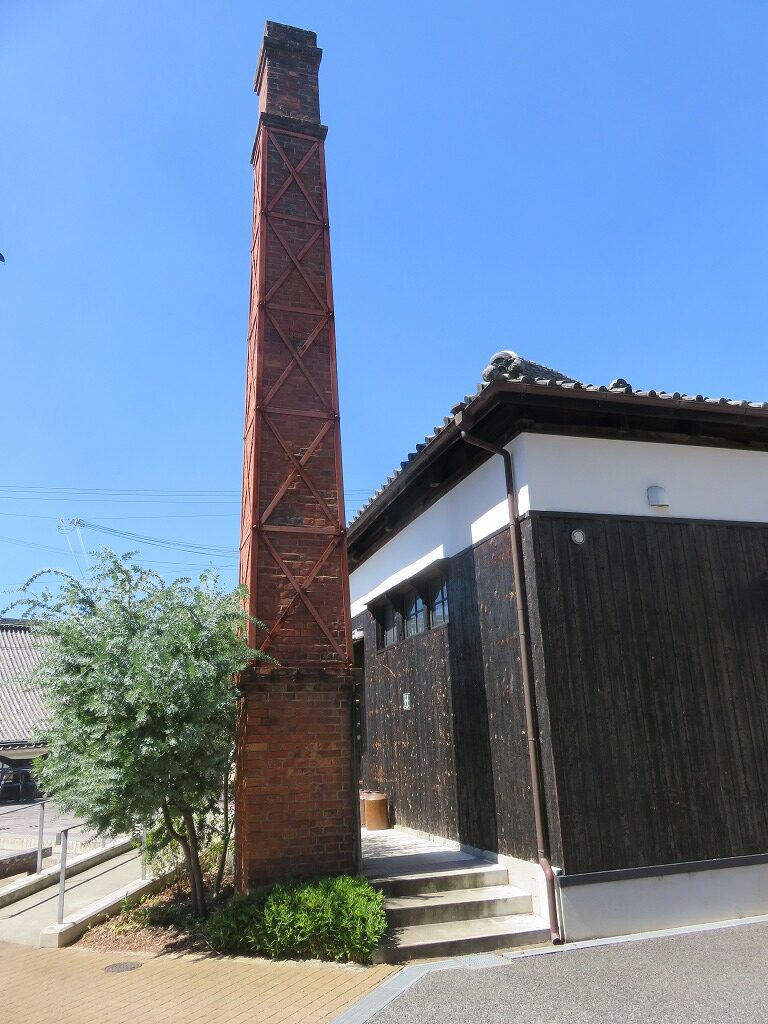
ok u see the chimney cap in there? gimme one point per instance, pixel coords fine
(288, 34)
(288, 44)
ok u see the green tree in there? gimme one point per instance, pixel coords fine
(137, 678)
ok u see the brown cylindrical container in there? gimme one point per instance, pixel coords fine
(363, 794)
(376, 811)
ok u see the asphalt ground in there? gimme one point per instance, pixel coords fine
(715, 976)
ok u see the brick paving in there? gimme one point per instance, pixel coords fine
(49, 984)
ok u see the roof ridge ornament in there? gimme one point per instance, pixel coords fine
(509, 365)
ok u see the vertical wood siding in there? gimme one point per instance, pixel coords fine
(409, 754)
(491, 749)
(456, 764)
(653, 651)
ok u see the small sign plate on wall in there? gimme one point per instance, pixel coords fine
(406, 702)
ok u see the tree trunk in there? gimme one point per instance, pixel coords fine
(226, 833)
(198, 889)
(189, 846)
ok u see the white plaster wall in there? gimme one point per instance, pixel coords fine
(473, 509)
(571, 474)
(584, 474)
(663, 901)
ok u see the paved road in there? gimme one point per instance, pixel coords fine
(715, 977)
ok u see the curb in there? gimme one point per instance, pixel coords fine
(55, 936)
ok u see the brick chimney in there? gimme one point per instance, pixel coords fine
(295, 800)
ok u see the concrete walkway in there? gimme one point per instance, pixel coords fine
(46, 984)
(23, 921)
(391, 853)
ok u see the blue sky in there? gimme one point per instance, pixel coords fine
(583, 183)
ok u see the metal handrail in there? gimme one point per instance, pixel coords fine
(34, 803)
(64, 836)
(23, 806)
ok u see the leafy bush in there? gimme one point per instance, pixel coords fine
(136, 675)
(154, 911)
(333, 919)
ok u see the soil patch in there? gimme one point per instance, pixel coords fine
(159, 924)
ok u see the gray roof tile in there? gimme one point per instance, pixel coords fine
(510, 366)
(20, 703)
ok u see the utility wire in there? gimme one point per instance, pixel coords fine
(147, 492)
(159, 515)
(191, 546)
(66, 529)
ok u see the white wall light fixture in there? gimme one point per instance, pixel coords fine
(657, 497)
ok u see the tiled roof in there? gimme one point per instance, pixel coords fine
(20, 703)
(515, 369)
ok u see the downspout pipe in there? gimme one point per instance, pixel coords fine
(534, 748)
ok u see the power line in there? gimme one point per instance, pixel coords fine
(32, 544)
(159, 515)
(139, 538)
(147, 501)
(121, 501)
(11, 490)
(66, 529)
(118, 490)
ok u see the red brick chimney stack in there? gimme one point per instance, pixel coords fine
(295, 793)
(286, 75)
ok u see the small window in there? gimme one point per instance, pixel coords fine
(387, 625)
(438, 603)
(414, 614)
(408, 613)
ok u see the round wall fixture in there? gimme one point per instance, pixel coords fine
(578, 536)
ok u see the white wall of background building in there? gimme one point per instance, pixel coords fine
(571, 474)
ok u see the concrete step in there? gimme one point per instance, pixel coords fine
(460, 938)
(444, 880)
(457, 905)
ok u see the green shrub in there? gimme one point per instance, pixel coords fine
(153, 911)
(333, 919)
(227, 928)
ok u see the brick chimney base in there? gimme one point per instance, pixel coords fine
(296, 801)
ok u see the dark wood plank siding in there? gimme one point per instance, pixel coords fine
(493, 790)
(409, 754)
(654, 656)
(456, 764)
(551, 807)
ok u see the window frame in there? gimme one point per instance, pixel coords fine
(413, 598)
(437, 588)
(382, 644)
(421, 590)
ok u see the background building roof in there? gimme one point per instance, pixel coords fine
(517, 395)
(21, 708)
(509, 367)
